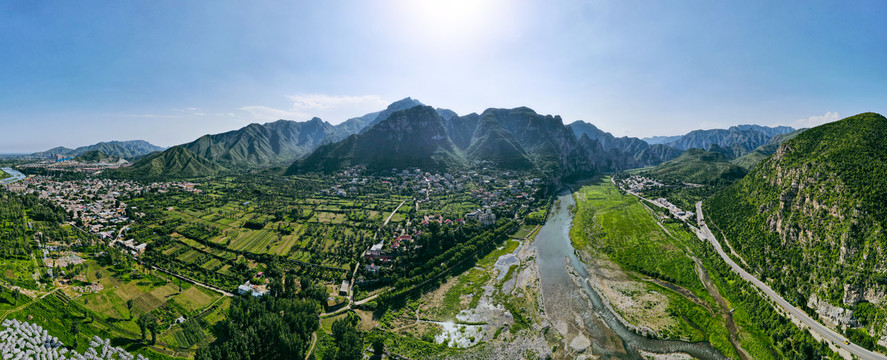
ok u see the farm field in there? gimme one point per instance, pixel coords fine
(106, 312)
(231, 231)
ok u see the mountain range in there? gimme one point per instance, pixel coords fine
(122, 149)
(634, 152)
(734, 142)
(281, 142)
(516, 138)
(410, 134)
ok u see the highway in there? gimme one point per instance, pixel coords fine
(830, 335)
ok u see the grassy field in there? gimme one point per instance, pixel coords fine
(56, 315)
(330, 220)
(105, 313)
(618, 227)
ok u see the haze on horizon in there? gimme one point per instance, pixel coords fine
(76, 73)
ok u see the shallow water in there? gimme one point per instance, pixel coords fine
(577, 311)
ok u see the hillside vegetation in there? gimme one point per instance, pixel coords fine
(811, 219)
(699, 167)
(177, 162)
(93, 156)
(761, 153)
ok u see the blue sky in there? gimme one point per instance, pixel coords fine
(75, 73)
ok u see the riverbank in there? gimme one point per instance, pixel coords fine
(587, 326)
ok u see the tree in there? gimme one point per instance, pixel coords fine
(98, 275)
(349, 345)
(143, 324)
(15, 294)
(378, 344)
(75, 329)
(129, 307)
(153, 327)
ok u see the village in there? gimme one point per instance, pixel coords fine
(185, 263)
(93, 204)
(636, 185)
(67, 163)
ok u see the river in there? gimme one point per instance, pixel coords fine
(14, 176)
(576, 311)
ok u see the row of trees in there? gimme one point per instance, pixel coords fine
(264, 328)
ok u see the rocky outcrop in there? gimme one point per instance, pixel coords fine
(832, 315)
(854, 294)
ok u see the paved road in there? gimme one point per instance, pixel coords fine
(826, 333)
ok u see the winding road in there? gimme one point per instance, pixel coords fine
(351, 288)
(824, 332)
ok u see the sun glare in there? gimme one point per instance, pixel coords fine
(454, 23)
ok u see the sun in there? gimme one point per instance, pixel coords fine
(453, 23)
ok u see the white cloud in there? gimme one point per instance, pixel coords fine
(334, 109)
(815, 120)
(149, 116)
(267, 113)
(191, 111)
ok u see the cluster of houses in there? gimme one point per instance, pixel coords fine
(378, 254)
(635, 184)
(484, 216)
(23, 340)
(135, 248)
(95, 202)
(254, 290)
(493, 189)
(67, 163)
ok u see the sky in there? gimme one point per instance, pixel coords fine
(74, 73)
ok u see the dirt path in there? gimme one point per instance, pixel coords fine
(195, 282)
(19, 308)
(353, 274)
(725, 308)
(311, 349)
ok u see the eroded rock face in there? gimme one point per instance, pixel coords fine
(875, 296)
(833, 315)
(852, 295)
(855, 294)
(883, 339)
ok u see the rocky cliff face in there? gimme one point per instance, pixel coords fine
(812, 218)
(737, 140)
(832, 315)
(629, 152)
(516, 138)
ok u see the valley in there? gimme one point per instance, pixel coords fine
(443, 180)
(540, 246)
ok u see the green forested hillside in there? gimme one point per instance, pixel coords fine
(811, 219)
(177, 162)
(698, 166)
(262, 145)
(92, 156)
(756, 156)
(415, 137)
